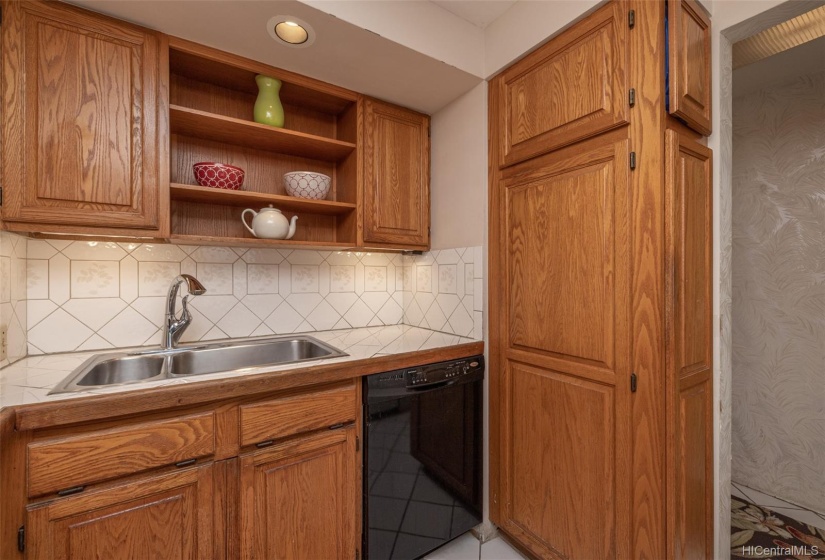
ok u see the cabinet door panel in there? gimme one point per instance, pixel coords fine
(80, 126)
(299, 499)
(564, 386)
(573, 87)
(689, 64)
(688, 191)
(396, 176)
(167, 516)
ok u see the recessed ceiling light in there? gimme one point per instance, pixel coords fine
(290, 31)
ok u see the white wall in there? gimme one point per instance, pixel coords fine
(422, 26)
(458, 174)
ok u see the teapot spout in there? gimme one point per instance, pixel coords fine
(292, 226)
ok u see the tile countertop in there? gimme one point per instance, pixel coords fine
(29, 380)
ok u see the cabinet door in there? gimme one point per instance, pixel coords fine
(166, 516)
(299, 499)
(396, 176)
(561, 330)
(689, 64)
(573, 87)
(80, 130)
(688, 239)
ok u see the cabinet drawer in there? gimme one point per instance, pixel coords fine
(286, 416)
(57, 464)
(571, 88)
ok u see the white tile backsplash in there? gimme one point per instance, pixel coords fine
(59, 295)
(13, 289)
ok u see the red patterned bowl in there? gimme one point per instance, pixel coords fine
(218, 175)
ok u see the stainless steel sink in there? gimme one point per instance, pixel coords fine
(106, 370)
(127, 369)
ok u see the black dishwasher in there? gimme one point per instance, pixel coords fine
(422, 457)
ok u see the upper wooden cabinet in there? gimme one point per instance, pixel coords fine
(571, 88)
(689, 78)
(396, 176)
(81, 103)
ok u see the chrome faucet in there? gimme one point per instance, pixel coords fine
(173, 327)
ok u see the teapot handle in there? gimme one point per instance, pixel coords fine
(243, 219)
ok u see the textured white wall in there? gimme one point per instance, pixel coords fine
(778, 273)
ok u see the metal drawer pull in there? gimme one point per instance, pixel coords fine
(266, 443)
(337, 426)
(70, 491)
(186, 463)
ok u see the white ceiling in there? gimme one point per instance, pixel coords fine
(480, 13)
(343, 54)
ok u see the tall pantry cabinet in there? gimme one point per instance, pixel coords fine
(601, 384)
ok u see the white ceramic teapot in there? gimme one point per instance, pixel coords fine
(269, 223)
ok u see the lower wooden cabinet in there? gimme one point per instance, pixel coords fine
(269, 476)
(299, 499)
(164, 516)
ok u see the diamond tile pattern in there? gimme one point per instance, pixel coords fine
(96, 295)
(443, 291)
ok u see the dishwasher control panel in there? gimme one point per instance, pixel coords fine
(441, 372)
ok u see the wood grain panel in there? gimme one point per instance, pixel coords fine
(166, 516)
(396, 174)
(80, 131)
(565, 490)
(566, 220)
(573, 87)
(299, 500)
(249, 134)
(688, 238)
(694, 471)
(96, 456)
(689, 33)
(286, 416)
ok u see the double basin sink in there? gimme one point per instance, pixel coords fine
(105, 370)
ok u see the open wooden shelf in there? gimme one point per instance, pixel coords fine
(229, 130)
(253, 242)
(193, 193)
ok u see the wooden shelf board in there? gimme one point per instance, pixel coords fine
(253, 242)
(210, 126)
(193, 193)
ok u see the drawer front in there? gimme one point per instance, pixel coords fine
(571, 88)
(57, 464)
(287, 416)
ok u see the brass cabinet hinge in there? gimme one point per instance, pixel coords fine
(631, 19)
(21, 538)
(631, 97)
(632, 160)
(633, 382)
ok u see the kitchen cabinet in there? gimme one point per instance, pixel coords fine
(299, 499)
(600, 331)
(265, 475)
(103, 121)
(689, 301)
(162, 516)
(574, 86)
(83, 142)
(396, 179)
(689, 36)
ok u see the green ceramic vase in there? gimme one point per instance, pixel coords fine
(268, 108)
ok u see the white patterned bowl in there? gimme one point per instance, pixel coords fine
(306, 184)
